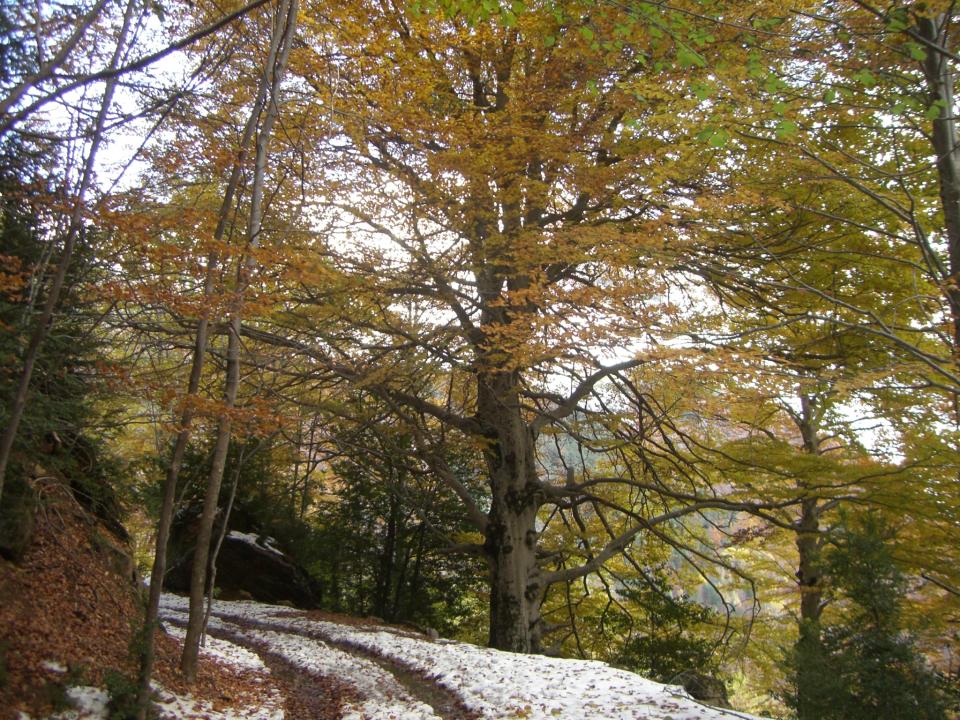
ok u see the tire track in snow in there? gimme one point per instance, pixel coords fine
(307, 695)
(379, 689)
(444, 702)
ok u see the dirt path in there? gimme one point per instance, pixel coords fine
(306, 695)
(445, 703)
(311, 695)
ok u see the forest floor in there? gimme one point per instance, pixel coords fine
(68, 611)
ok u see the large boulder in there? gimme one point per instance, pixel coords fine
(251, 566)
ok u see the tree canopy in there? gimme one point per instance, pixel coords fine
(600, 328)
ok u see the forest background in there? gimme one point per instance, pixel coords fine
(619, 330)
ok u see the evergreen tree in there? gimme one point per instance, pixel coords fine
(864, 665)
(669, 645)
(55, 429)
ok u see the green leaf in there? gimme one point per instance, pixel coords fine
(719, 138)
(830, 96)
(688, 58)
(549, 41)
(786, 128)
(865, 78)
(713, 137)
(896, 25)
(701, 90)
(916, 52)
(586, 32)
(897, 21)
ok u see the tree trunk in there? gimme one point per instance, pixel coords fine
(201, 552)
(388, 554)
(511, 534)
(939, 78)
(186, 419)
(413, 590)
(224, 527)
(808, 647)
(281, 41)
(809, 581)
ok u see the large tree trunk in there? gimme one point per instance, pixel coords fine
(809, 644)
(511, 534)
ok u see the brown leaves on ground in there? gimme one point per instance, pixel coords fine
(68, 616)
(63, 604)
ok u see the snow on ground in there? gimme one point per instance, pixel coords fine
(90, 703)
(225, 651)
(497, 684)
(383, 698)
(261, 543)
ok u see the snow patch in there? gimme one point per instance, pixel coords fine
(173, 706)
(263, 544)
(224, 651)
(89, 703)
(383, 698)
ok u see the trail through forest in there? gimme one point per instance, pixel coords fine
(371, 672)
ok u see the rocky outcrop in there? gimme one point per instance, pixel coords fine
(705, 688)
(250, 566)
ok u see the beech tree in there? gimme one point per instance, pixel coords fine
(530, 171)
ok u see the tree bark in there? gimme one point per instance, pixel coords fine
(388, 555)
(511, 534)
(186, 419)
(939, 77)
(809, 580)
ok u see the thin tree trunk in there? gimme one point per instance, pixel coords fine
(281, 41)
(201, 552)
(413, 590)
(809, 576)
(385, 577)
(158, 571)
(42, 327)
(219, 544)
(940, 81)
